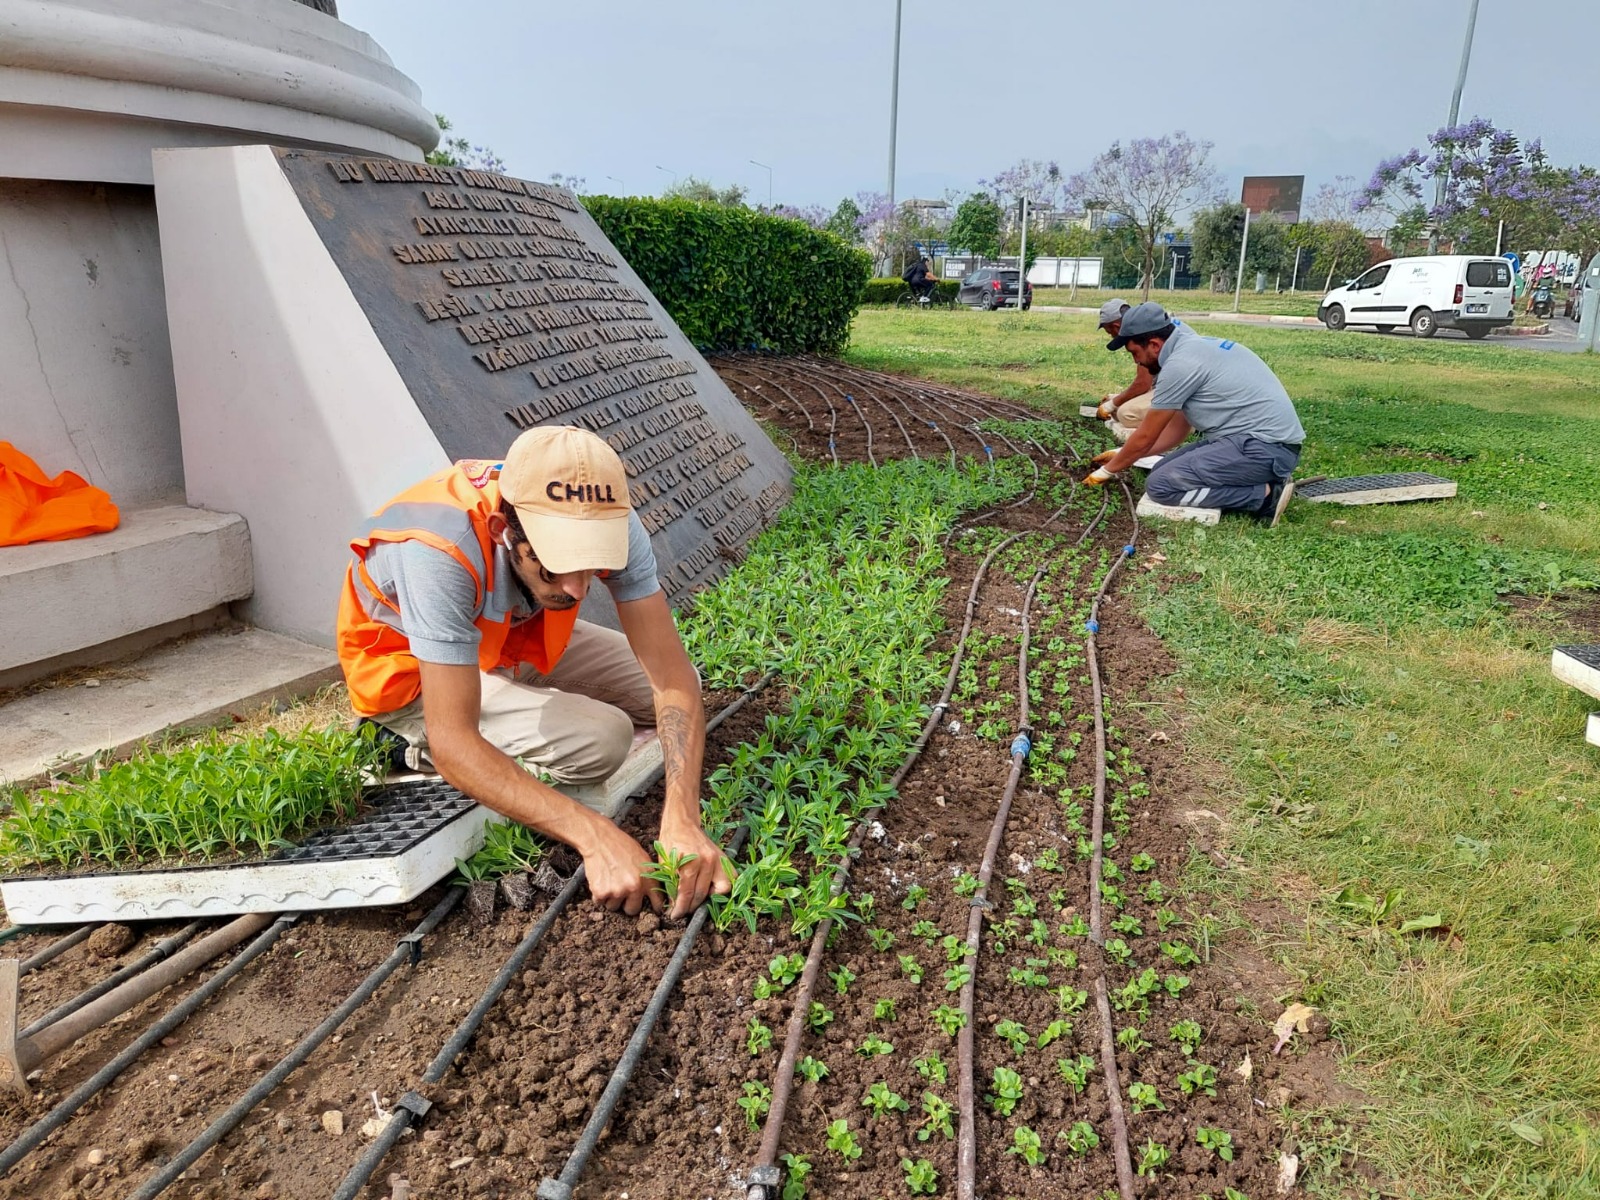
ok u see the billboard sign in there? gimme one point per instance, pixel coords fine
(1278, 195)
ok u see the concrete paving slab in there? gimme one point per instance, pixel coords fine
(1177, 512)
(1397, 488)
(1578, 666)
(190, 683)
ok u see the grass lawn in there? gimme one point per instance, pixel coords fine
(1386, 726)
(1293, 304)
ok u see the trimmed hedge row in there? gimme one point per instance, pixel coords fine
(734, 279)
(886, 289)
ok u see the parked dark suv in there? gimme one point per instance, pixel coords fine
(993, 287)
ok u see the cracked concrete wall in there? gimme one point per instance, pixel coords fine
(85, 361)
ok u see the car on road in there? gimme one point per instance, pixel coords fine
(993, 287)
(1472, 293)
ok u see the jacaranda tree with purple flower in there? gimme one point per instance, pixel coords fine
(1148, 182)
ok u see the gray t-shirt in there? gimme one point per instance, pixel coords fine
(1222, 388)
(437, 598)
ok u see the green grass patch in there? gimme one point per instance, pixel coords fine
(1388, 728)
(211, 798)
(1191, 300)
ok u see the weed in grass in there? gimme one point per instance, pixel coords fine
(922, 1179)
(1007, 1090)
(842, 1141)
(756, 1102)
(880, 1101)
(812, 1069)
(796, 1168)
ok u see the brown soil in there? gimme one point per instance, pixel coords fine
(509, 1112)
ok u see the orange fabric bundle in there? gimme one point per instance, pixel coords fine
(36, 509)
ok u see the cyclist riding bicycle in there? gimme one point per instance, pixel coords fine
(919, 278)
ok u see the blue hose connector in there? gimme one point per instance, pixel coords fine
(1092, 625)
(1128, 549)
(1021, 745)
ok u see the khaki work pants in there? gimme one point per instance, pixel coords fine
(1129, 415)
(575, 724)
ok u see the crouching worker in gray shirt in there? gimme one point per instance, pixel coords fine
(1250, 434)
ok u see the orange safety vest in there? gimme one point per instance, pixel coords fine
(450, 512)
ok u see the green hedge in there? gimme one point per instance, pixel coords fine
(734, 279)
(887, 290)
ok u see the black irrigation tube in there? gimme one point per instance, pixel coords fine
(16, 931)
(36, 1133)
(412, 1107)
(763, 1178)
(407, 949)
(55, 949)
(156, 953)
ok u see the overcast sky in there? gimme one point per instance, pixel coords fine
(612, 90)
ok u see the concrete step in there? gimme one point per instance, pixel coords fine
(159, 566)
(196, 682)
(1579, 666)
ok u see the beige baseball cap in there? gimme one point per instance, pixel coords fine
(571, 494)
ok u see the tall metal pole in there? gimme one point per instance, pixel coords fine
(1244, 244)
(1022, 258)
(768, 170)
(1455, 114)
(894, 109)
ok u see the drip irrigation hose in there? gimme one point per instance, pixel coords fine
(158, 952)
(1021, 746)
(55, 949)
(36, 1133)
(407, 950)
(412, 1107)
(763, 1178)
(16, 931)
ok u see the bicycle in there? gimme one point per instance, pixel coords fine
(909, 299)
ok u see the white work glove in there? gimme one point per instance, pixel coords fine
(1098, 476)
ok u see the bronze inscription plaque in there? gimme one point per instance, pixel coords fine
(503, 306)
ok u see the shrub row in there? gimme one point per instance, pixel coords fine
(888, 289)
(734, 279)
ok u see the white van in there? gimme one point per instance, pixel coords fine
(1469, 292)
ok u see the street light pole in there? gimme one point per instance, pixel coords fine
(894, 107)
(674, 174)
(1455, 115)
(616, 181)
(768, 170)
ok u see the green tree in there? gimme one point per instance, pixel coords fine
(846, 222)
(459, 152)
(1341, 252)
(692, 188)
(1218, 233)
(976, 226)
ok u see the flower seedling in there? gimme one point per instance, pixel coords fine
(1014, 1035)
(866, 907)
(842, 978)
(940, 1117)
(873, 1045)
(1058, 897)
(911, 968)
(1128, 924)
(1080, 1139)
(1175, 985)
(757, 1037)
(1038, 932)
(1200, 1077)
(1049, 859)
(1027, 976)
(786, 968)
(812, 1069)
(1188, 1035)
(915, 895)
(1167, 919)
(1060, 956)
(1070, 999)
(932, 1068)
(1152, 1157)
(818, 1016)
(883, 1009)
(668, 869)
(1142, 1096)
(1112, 894)
(1117, 950)
(926, 930)
(842, 1141)
(1075, 1071)
(1026, 1145)
(921, 1177)
(1181, 953)
(1154, 892)
(1022, 904)
(1142, 862)
(1054, 1031)
(881, 939)
(879, 1100)
(756, 1102)
(1131, 1040)
(1218, 1141)
(956, 948)
(956, 977)
(950, 1019)
(966, 885)
(1075, 927)
(797, 1167)
(1007, 1091)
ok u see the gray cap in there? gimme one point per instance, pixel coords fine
(1138, 321)
(1112, 310)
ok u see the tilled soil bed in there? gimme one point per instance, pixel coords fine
(508, 1113)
